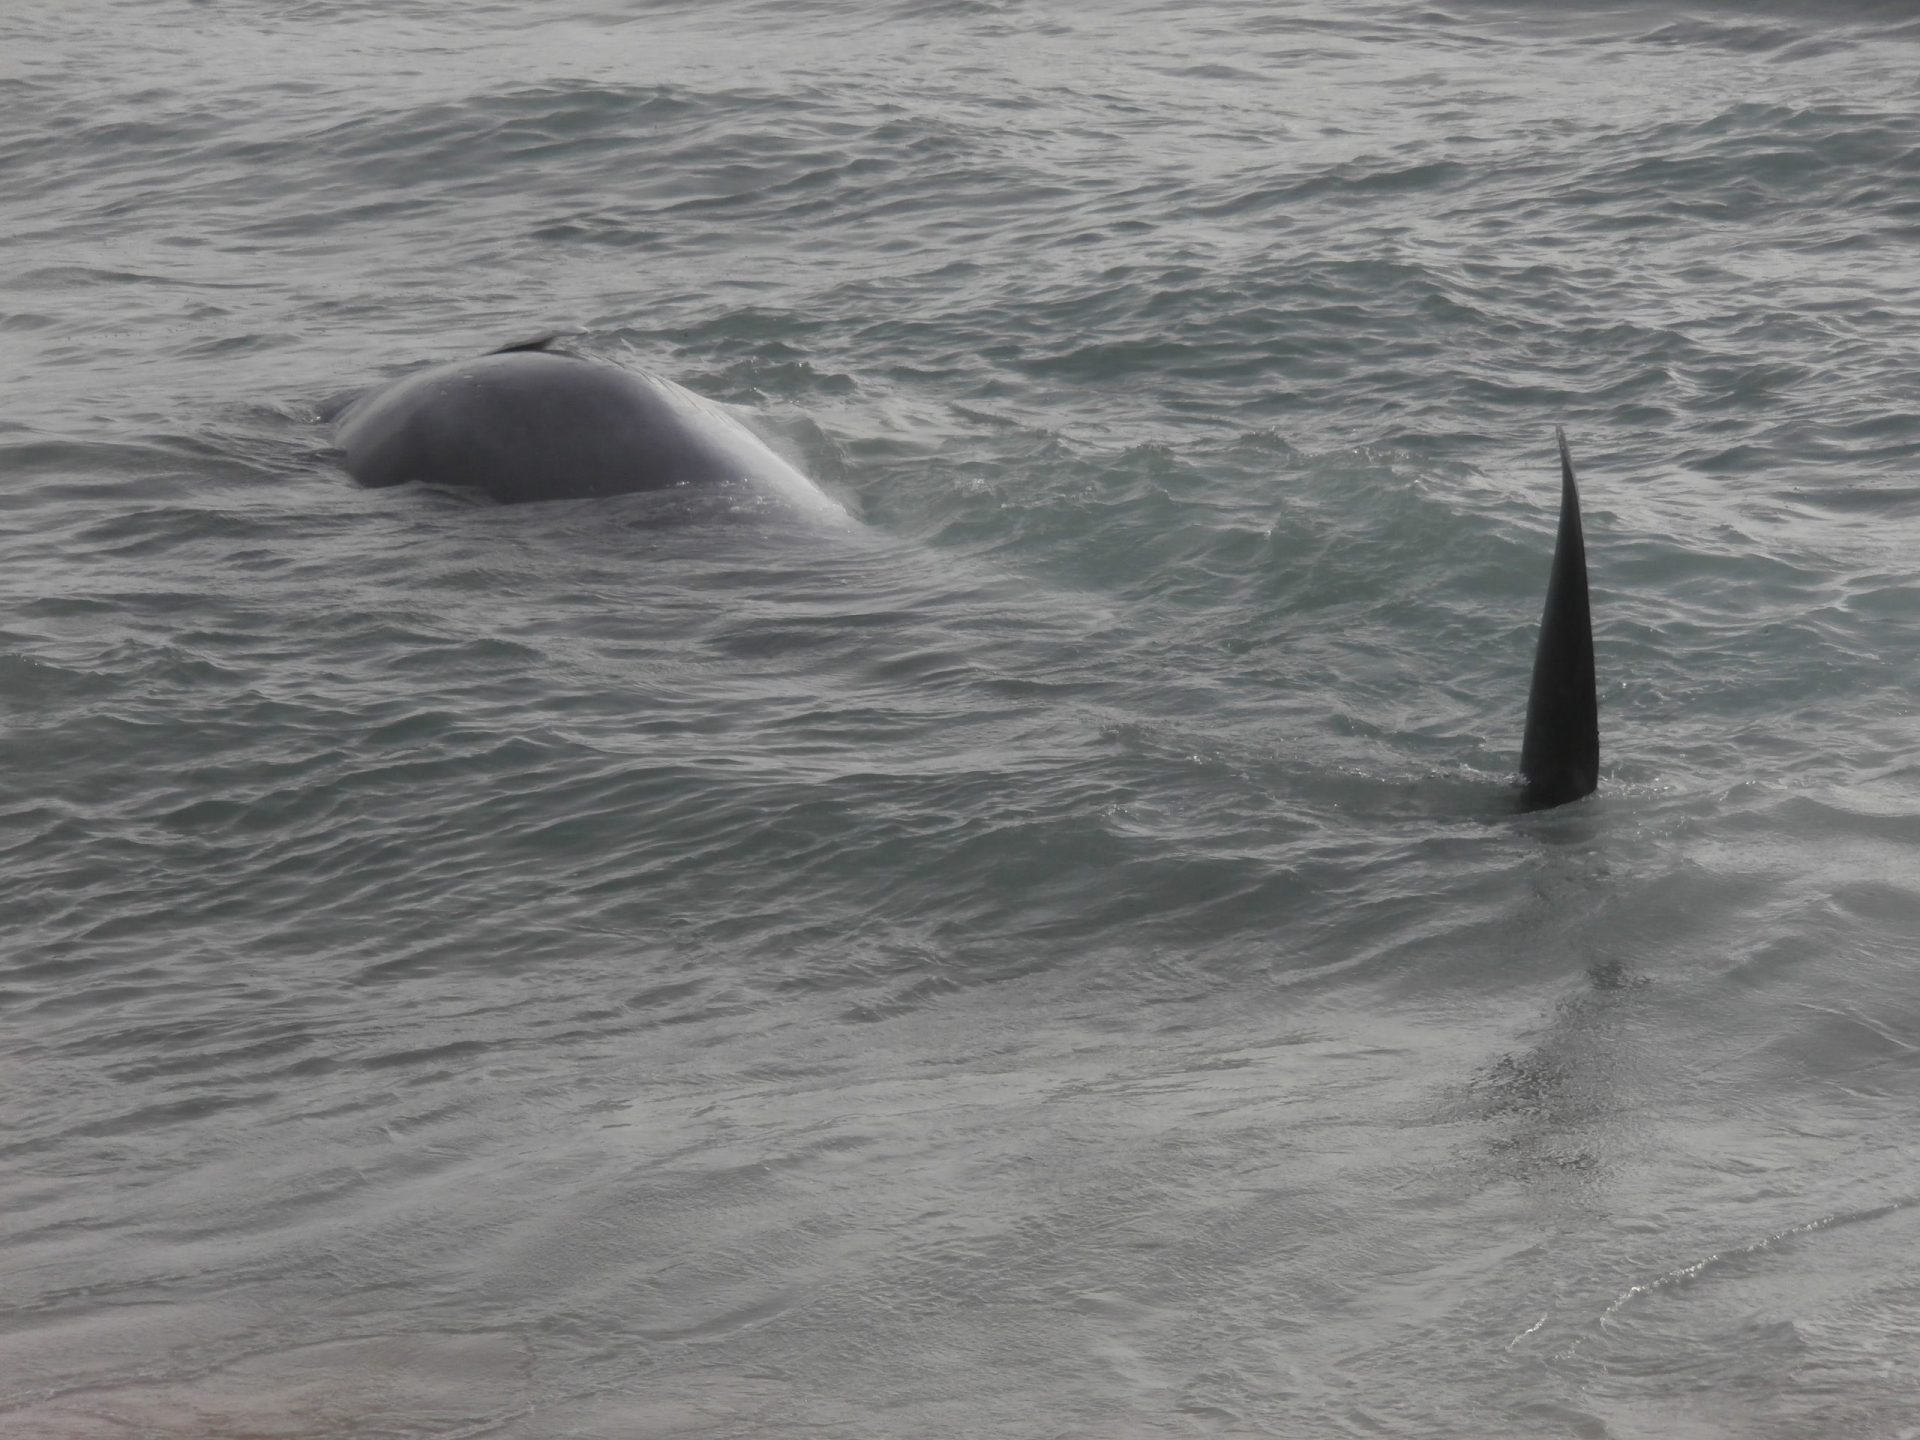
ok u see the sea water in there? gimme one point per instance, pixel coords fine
(1052, 952)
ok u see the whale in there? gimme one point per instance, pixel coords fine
(532, 422)
(1560, 747)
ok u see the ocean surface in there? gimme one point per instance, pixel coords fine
(1039, 943)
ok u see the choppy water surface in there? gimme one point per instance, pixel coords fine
(1052, 954)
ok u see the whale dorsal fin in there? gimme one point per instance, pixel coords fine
(538, 342)
(1560, 754)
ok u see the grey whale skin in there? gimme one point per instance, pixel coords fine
(532, 423)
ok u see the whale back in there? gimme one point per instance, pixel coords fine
(528, 424)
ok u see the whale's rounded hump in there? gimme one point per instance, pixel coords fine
(531, 423)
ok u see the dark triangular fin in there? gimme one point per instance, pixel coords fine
(538, 342)
(1560, 756)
